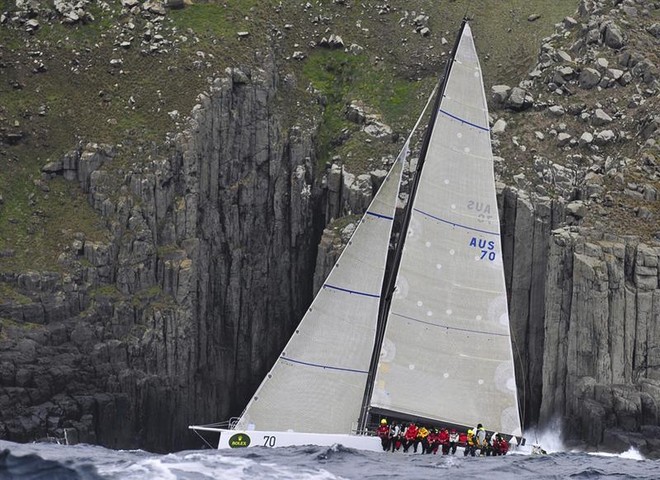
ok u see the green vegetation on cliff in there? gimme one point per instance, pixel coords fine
(129, 78)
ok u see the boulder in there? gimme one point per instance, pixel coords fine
(614, 73)
(563, 139)
(377, 129)
(499, 126)
(589, 78)
(500, 93)
(604, 137)
(578, 209)
(563, 56)
(356, 112)
(585, 139)
(556, 110)
(52, 167)
(613, 36)
(600, 118)
(519, 99)
(654, 30)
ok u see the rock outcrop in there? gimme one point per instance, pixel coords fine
(602, 336)
(583, 291)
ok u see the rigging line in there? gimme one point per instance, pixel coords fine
(419, 119)
(325, 367)
(467, 9)
(394, 314)
(203, 439)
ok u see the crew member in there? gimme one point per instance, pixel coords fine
(433, 442)
(395, 436)
(453, 441)
(444, 441)
(410, 438)
(469, 443)
(422, 437)
(383, 432)
(480, 439)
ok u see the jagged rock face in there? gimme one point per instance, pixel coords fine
(584, 313)
(527, 221)
(602, 362)
(179, 315)
(253, 222)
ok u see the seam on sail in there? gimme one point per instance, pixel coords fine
(448, 327)
(317, 365)
(464, 121)
(380, 215)
(372, 295)
(455, 224)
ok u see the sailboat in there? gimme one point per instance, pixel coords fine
(424, 338)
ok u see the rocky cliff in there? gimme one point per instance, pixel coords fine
(159, 326)
(583, 300)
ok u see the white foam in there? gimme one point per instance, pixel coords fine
(549, 438)
(631, 454)
(550, 441)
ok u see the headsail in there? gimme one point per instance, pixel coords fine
(318, 382)
(447, 350)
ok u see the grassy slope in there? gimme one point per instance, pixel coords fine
(87, 99)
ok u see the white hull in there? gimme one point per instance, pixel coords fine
(261, 438)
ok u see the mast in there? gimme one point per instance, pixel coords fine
(390, 282)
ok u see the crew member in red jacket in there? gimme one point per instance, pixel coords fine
(410, 437)
(502, 446)
(462, 439)
(383, 432)
(433, 442)
(444, 441)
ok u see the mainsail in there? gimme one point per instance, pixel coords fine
(318, 382)
(447, 353)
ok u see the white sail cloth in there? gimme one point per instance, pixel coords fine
(447, 353)
(318, 383)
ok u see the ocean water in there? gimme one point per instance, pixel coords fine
(59, 462)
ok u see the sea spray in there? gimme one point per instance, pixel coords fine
(549, 437)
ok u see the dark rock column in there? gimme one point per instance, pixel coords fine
(526, 222)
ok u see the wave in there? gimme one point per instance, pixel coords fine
(32, 466)
(631, 454)
(306, 463)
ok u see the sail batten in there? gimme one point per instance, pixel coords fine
(448, 327)
(331, 367)
(457, 118)
(352, 292)
(454, 224)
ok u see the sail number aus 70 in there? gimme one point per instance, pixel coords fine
(270, 440)
(485, 247)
